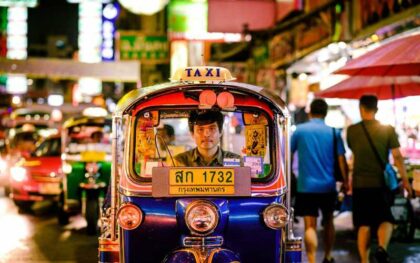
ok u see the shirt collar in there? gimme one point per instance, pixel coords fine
(318, 120)
(218, 157)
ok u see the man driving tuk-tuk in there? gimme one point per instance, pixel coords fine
(222, 196)
(86, 166)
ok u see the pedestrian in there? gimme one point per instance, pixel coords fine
(372, 200)
(316, 184)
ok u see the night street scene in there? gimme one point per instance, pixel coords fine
(210, 131)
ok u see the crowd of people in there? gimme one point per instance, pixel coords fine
(321, 153)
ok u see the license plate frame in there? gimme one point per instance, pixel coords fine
(201, 181)
(49, 188)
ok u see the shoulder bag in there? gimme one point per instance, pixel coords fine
(390, 175)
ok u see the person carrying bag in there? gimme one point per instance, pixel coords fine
(372, 195)
(390, 175)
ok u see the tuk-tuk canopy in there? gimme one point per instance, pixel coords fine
(203, 77)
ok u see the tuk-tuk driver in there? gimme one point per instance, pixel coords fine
(206, 129)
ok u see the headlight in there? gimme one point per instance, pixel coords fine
(18, 173)
(129, 216)
(67, 168)
(201, 217)
(275, 216)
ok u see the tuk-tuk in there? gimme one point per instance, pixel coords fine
(86, 166)
(233, 209)
(26, 127)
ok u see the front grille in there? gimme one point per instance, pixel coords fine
(45, 178)
(215, 241)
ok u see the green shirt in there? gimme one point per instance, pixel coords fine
(193, 158)
(367, 171)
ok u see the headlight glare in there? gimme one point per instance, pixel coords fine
(67, 168)
(201, 217)
(129, 216)
(18, 173)
(275, 216)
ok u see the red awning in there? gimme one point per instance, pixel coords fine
(231, 16)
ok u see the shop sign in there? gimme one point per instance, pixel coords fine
(303, 38)
(27, 3)
(136, 46)
(260, 54)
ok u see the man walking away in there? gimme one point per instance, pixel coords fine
(372, 200)
(316, 186)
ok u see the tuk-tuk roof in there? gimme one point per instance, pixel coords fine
(82, 120)
(23, 111)
(127, 102)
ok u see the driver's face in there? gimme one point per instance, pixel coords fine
(207, 136)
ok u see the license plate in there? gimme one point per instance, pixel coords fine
(202, 181)
(49, 188)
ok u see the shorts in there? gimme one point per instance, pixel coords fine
(372, 206)
(308, 204)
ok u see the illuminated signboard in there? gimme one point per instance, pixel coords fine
(109, 15)
(145, 48)
(26, 3)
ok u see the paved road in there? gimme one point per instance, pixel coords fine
(38, 238)
(345, 249)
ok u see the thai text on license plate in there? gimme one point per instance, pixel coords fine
(202, 181)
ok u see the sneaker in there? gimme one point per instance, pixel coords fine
(382, 256)
(331, 260)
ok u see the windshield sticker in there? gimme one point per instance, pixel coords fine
(256, 164)
(232, 162)
(255, 140)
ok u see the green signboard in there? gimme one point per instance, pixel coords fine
(187, 16)
(27, 3)
(135, 46)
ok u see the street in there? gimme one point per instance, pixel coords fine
(37, 237)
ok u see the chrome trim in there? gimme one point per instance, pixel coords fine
(206, 242)
(287, 162)
(116, 121)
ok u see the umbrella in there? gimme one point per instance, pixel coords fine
(400, 57)
(383, 87)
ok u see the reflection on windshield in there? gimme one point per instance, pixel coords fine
(50, 147)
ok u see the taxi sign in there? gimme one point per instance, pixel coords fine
(201, 181)
(202, 74)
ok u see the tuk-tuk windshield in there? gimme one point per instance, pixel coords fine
(49, 147)
(203, 138)
(88, 138)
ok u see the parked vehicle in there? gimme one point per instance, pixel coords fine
(37, 176)
(86, 166)
(26, 127)
(4, 180)
(235, 211)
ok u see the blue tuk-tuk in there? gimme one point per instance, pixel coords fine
(168, 204)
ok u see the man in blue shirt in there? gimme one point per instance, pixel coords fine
(316, 185)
